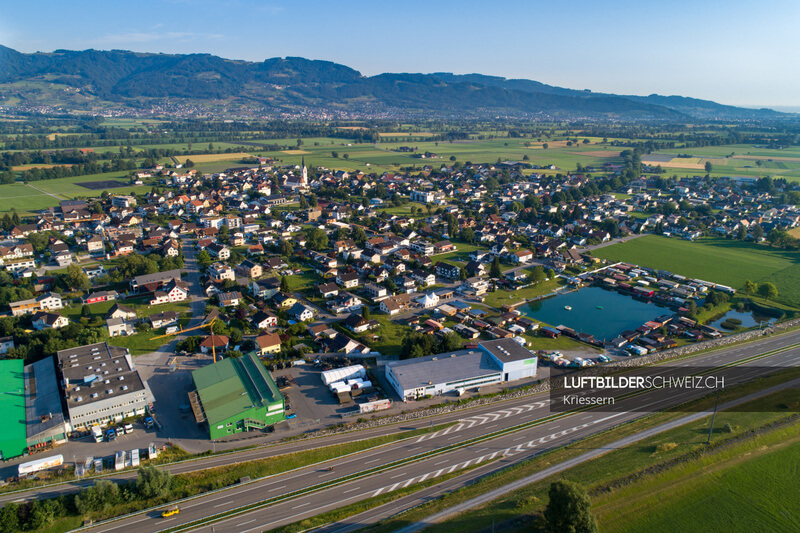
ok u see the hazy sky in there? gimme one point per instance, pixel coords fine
(732, 51)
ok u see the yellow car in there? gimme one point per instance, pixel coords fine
(170, 512)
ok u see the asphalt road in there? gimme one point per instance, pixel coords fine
(512, 447)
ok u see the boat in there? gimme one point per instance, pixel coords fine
(600, 307)
(568, 308)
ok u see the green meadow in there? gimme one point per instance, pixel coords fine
(723, 261)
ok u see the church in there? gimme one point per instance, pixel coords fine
(297, 183)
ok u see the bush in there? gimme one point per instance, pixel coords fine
(153, 483)
(727, 428)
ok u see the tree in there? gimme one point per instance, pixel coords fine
(450, 342)
(494, 270)
(537, 274)
(467, 235)
(284, 284)
(203, 258)
(767, 290)
(286, 249)
(9, 517)
(303, 202)
(365, 312)
(758, 232)
(76, 278)
(153, 483)
(85, 311)
(335, 154)
(545, 146)
(317, 239)
(569, 509)
(709, 167)
(236, 336)
(750, 287)
(99, 497)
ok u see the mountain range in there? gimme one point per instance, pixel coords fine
(93, 79)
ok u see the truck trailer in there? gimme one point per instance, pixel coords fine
(37, 465)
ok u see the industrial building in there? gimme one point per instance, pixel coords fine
(101, 384)
(12, 409)
(492, 362)
(235, 395)
(44, 415)
(30, 407)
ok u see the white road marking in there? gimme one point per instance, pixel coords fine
(441, 462)
(301, 505)
(226, 503)
(277, 488)
(248, 522)
(351, 490)
(373, 461)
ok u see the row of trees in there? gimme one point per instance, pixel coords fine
(151, 486)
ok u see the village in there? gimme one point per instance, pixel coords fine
(278, 248)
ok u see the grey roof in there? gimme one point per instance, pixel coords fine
(442, 368)
(157, 277)
(506, 350)
(87, 368)
(42, 398)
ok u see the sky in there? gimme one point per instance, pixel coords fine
(734, 52)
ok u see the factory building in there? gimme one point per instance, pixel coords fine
(100, 384)
(235, 395)
(496, 361)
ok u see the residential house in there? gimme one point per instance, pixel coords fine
(396, 304)
(264, 320)
(328, 290)
(121, 311)
(230, 299)
(174, 291)
(348, 281)
(250, 269)
(301, 312)
(268, 343)
(447, 271)
(218, 273)
(118, 327)
(160, 320)
(44, 320)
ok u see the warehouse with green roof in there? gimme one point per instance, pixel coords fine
(236, 395)
(13, 438)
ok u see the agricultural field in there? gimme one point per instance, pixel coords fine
(38, 195)
(722, 261)
(735, 485)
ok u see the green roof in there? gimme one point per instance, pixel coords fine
(234, 386)
(13, 441)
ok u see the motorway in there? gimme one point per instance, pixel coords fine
(424, 458)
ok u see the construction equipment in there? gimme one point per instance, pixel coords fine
(209, 324)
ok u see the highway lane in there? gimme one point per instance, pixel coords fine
(513, 446)
(495, 414)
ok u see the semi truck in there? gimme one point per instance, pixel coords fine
(97, 433)
(31, 467)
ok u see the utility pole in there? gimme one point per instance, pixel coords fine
(713, 417)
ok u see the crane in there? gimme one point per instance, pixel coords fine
(206, 325)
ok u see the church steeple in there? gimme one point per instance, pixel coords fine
(303, 173)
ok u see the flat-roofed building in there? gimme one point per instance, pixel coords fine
(44, 415)
(438, 374)
(100, 385)
(492, 362)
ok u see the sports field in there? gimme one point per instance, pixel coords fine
(38, 195)
(719, 260)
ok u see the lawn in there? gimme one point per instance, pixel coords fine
(721, 261)
(390, 336)
(499, 298)
(38, 195)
